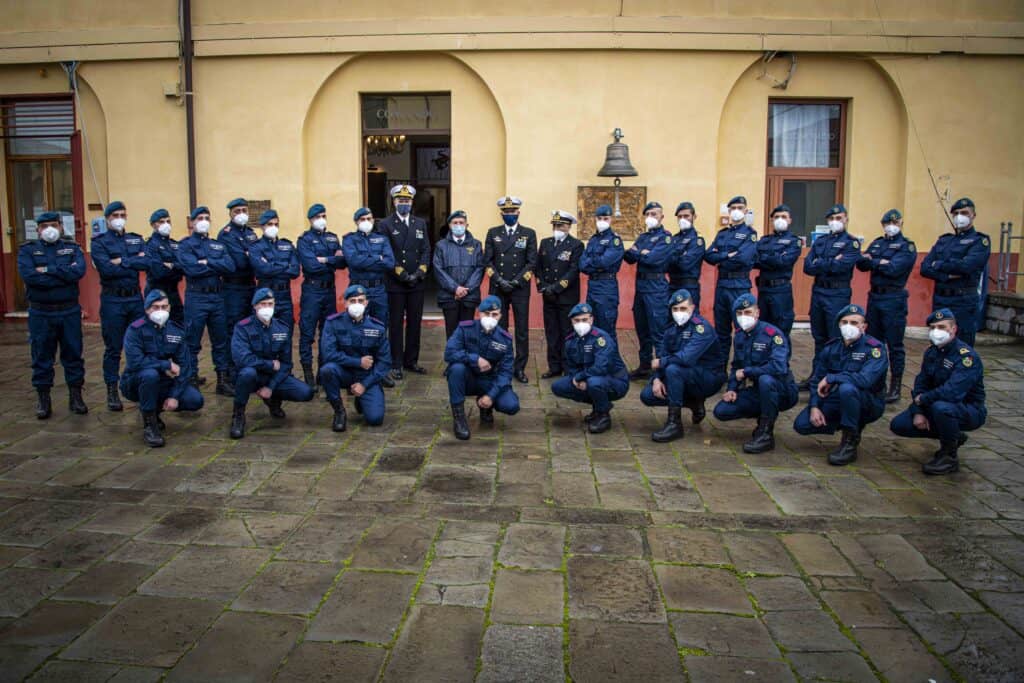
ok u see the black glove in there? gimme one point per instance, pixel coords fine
(505, 286)
(418, 276)
(404, 277)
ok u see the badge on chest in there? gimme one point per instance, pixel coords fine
(520, 243)
(279, 336)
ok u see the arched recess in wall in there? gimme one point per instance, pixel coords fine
(876, 132)
(93, 120)
(332, 133)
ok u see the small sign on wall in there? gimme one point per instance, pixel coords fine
(631, 204)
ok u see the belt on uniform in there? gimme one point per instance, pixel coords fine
(238, 281)
(604, 276)
(831, 284)
(688, 283)
(213, 289)
(162, 284)
(368, 283)
(319, 284)
(886, 290)
(120, 291)
(277, 286)
(650, 276)
(777, 282)
(733, 274)
(954, 291)
(33, 306)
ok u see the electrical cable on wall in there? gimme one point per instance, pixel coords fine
(71, 68)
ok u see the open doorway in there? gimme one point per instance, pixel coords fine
(407, 140)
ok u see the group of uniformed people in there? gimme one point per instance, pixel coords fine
(239, 284)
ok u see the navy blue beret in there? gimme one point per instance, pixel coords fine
(603, 210)
(680, 296)
(262, 294)
(651, 205)
(780, 208)
(199, 210)
(457, 213)
(267, 216)
(354, 290)
(236, 202)
(892, 215)
(48, 217)
(941, 314)
(360, 212)
(850, 309)
(962, 203)
(490, 303)
(154, 296)
(112, 207)
(315, 209)
(743, 301)
(834, 209)
(158, 214)
(582, 308)
(738, 199)
(685, 205)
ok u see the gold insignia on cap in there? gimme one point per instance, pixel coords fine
(777, 339)
(876, 353)
(939, 316)
(968, 362)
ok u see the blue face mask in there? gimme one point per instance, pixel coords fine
(510, 219)
(458, 230)
(403, 209)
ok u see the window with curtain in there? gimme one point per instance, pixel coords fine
(803, 135)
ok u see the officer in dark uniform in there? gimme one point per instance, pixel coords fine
(163, 271)
(847, 385)
(760, 382)
(204, 261)
(405, 284)
(356, 356)
(595, 373)
(601, 262)
(510, 256)
(688, 367)
(949, 395)
(651, 251)
(558, 282)
(459, 269)
(890, 260)
(321, 256)
(261, 346)
(370, 259)
(777, 253)
(685, 266)
(275, 262)
(480, 363)
(158, 367)
(238, 287)
(119, 257)
(958, 263)
(51, 267)
(733, 252)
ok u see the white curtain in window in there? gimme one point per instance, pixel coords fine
(800, 135)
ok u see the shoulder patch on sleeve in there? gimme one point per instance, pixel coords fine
(968, 362)
(700, 328)
(984, 241)
(594, 333)
(856, 244)
(777, 339)
(601, 341)
(876, 352)
(139, 323)
(753, 237)
(617, 241)
(668, 239)
(769, 329)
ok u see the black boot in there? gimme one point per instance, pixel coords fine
(764, 437)
(309, 378)
(944, 461)
(590, 416)
(387, 381)
(698, 411)
(487, 415)
(895, 386)
(198, 381)
(601, 422)
(274, 406)
(224, 385)
(643, 371)
(359, 404)
(340, 420)
(847, 451)
(237, 421)
(113, 399)
(151, 431)
(459, 423)
(804, 385)
(75, 402)
(44, 408)
(673, 428)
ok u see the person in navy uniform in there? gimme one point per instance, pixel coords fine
(733, 252)
(890, 260)
(848, 385)
(958, 263)
(158, 367)
(119, 257)
(558, 283)
(261, 346)
(686, 263)
(320, 256)
(238, 286)
(163, 271)
(51, 267)
(760, 382)
(356, 356)
(776, 255)
(595, 373)
(205, 261)
(600, 262)
(510, 258)
(949, 395)
(459, 269)
(651, 252)
(480, 363)
(688, 367)
(370, 258)
(275, 262)
(410, 244)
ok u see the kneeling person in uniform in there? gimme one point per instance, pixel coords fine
(949, 395)
(760, 382)
(688, 368)
(847, 385)
(480, 359)
(356, 356)
(595, 373)
(261, 347)
(158, 367)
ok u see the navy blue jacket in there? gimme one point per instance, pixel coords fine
(864, 364)
(369, 256)
(603, 254)
(148, 347)
(693, 345)
(161, 250)
(255, 345)
(951, 373)
(274, 262)
(958, 260)
(458, 265)
(687, 259)
(130, 248)
(776, 255)
(196, 248)
(593, 355)
(469, 343)
(238, 241)
(65, 266)
(345, 341)
(901, 255)
(762, 351)
(733, 271)
(821, 261)
(657, 242)
(312, 245)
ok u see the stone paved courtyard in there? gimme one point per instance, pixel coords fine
(533, 552)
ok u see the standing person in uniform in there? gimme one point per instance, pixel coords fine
(558, 282)
(205, 261)
(459, 269)
(320, 256)
(685, 266)
(890, 260)
(600, 262)
(238, 287)
(651, 252)
(480, 363)
(405, 284)
(369, 257)
(958, 263)
(163, 271)
(949, 395)
(119, 257)
(510, 256)
(51, 267)
(777, 253)
(275, 262)
(733, 252)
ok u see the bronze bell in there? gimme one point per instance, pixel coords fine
(616, 159)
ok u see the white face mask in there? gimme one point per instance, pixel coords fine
(681, 317)
(736, 215)
(961, 221)
(50, 234)
(651, 222)
(748, 218)
(685, 224)
(582, 328)
(365, 226)
(320, 224)
(117, 224)
(202, 227)
(159, 318)
(780, 225)
(558, 235)
(746, 322)
(603, 225)
(240, 219)
(939, 337)
(265, 313)
(163, 228)
(850, 332)
(270, 231)
(835, 226)
(891, 230)
(356, 310)
(488, 323)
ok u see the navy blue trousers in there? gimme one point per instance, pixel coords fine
(49, 329)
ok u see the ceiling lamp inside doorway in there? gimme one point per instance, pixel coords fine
(384, 145)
